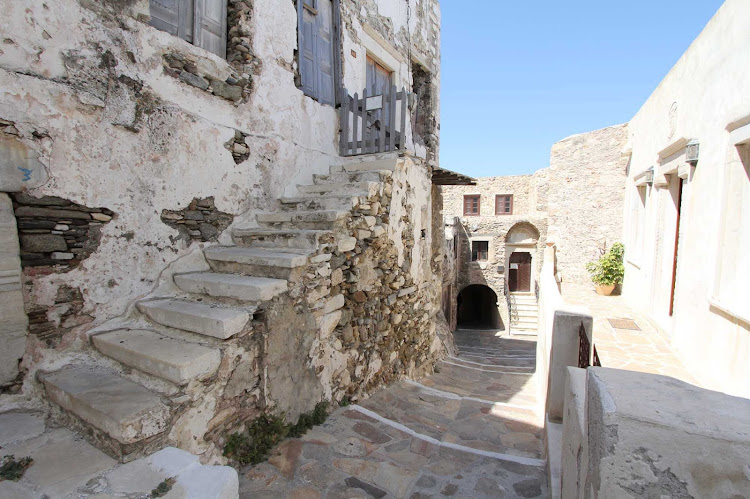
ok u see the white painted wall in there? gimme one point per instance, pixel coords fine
(705, 96)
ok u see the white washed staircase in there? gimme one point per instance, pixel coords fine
(183, 342)
(524, 314)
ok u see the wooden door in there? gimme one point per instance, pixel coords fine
(519, 273)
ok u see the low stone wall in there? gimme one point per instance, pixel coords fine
(652, 436)
(558, 340)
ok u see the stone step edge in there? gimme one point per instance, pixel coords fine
(454, 396)
(302, 257)
(527, 461)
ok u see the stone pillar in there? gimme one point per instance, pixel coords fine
(13, 321)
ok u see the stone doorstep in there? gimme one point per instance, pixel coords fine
(168, 358)
(306, 239)
(201, 318)
(364, 188)
(365, 176)
(239, 287)
(371, 165)
(124, 410)
(327, 202)
(256, 256)
(302, 216)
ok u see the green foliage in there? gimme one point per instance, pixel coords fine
(164, 487)
(345, 401)
(609, 269)
(266, 431)
(13, 470)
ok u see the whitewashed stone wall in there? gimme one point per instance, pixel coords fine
(704, 97)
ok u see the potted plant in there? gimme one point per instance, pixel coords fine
(608, 271)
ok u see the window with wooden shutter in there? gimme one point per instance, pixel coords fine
(504, 204)
(316, 49)
(200, 22)
(480, 251)
(471, 206)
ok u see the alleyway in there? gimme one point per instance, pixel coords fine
(467, 431)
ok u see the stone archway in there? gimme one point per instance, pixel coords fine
(478, 308)
(521, 250)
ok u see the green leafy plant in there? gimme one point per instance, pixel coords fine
(13, 469)
(163, 488)
(609, 269)
(345, 401)
(266, 431)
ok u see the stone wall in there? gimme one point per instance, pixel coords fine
(585, 197)
(103, 111)
(13, 320)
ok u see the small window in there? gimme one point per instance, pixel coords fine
(200, 22)
(471, 206)
(480, 251)
(504, 204)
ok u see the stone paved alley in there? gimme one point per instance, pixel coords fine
(469, 430)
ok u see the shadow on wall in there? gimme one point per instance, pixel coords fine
(478, 308)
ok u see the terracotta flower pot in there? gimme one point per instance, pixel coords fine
(605, 289)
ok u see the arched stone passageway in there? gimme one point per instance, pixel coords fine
(477, 308)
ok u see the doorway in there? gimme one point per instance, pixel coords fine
(519, 272)
(678, 205)
(477, 308)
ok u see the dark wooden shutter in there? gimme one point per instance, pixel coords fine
(173, 16)
(316, 60)
(210, 26)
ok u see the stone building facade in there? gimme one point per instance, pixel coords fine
(137, 167)
(575, 203)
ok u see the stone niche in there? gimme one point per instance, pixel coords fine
(55, 232)
(200, 221)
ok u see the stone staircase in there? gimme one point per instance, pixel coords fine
(128, 391)
(524, 317)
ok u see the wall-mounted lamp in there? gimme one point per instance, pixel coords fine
(692, 150)
(500, 269)
(650, 176)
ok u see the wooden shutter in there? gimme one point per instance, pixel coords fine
(307, 60)
(173, 16)
(316, 59)
(210, 26)
(325, 51)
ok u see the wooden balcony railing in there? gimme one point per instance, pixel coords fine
(373, 124)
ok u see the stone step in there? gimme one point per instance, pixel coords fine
(256, 261)
(525, 306)
(239, 287)
(525, 313)
(153, 353)
(371, 165)
(313, 219)
(124, 410)
(352, 188)
(202, 318)
(304, 239)
(317, 202)
(346, 177)
(524, 322)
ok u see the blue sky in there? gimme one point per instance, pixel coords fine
(519, 76)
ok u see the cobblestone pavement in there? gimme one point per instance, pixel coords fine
(646, 350)
(467, 431)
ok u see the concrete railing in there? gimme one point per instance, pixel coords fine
(558, 344)
(632, 434)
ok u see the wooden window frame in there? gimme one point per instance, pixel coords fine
(497, 198)
(479, 205)
(478, 251)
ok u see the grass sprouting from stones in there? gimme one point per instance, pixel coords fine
(13, 469)
(266, 431)
(345, 401)
(164, 487)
